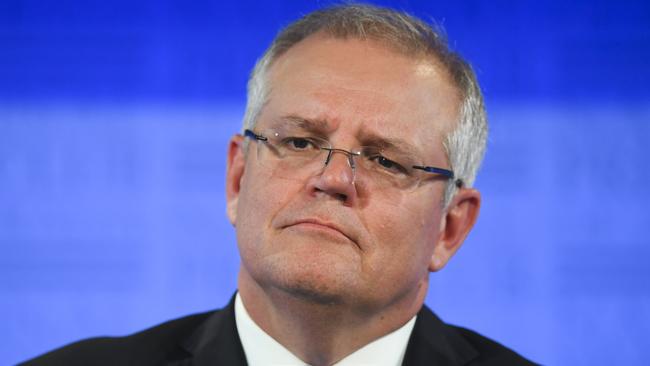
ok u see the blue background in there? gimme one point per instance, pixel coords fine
(114, 118)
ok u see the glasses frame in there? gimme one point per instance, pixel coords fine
(447, 173)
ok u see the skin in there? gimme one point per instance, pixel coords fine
(329, 261)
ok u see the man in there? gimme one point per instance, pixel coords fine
(350, 183)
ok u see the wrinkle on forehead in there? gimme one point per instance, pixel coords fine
(362, 83)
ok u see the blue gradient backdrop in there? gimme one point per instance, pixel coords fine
(114, 118)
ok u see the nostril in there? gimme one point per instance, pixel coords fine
(337, 196)
(341, 197)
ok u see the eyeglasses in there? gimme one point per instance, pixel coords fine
(290, 153)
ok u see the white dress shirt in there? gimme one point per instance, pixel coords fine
(262, 350)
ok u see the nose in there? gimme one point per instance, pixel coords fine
(337, 177)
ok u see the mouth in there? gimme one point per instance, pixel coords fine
(322, 227)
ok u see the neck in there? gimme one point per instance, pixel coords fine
(322, 333)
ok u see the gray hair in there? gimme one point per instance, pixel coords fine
(465, 145)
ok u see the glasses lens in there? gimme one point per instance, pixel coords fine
(387, 168)
(291, 154)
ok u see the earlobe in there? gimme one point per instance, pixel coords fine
(234, 173)
(455, 225)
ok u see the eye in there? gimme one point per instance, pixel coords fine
(388, 165)
(299, 144)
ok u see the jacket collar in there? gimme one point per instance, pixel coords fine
(433, 342)
(216, 341)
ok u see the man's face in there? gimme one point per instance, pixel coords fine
(328, 236)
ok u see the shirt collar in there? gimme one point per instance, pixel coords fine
(261, 349)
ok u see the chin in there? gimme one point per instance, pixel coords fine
(314, 295)
(320, 282)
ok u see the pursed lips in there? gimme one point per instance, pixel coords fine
(323, 225)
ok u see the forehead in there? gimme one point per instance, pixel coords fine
(360, 85)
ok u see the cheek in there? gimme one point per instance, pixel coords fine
(254, 211)
(405, 231)
(260, 200)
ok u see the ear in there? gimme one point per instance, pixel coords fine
(234, 174)
(456, 223)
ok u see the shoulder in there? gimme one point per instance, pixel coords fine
(489, 351)
(444, 344)
(150, 346)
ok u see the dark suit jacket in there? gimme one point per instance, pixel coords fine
(212, 339)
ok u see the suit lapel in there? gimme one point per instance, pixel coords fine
(216, 341)
(434, 343)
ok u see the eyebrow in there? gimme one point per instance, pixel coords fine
(366, 138)
(388, 143)
(316, 125)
